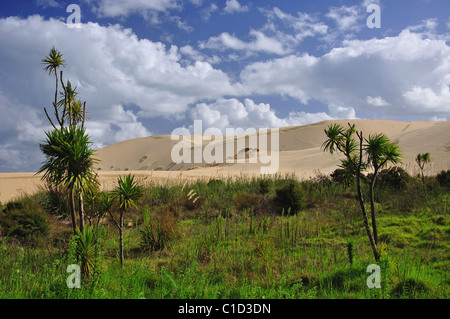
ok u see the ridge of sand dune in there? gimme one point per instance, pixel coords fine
(299, 153)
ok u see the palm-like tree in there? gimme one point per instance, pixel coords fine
(69, 162)
(421, 160)
(126, 194)
(380, 152)
(74, 111)
(52, 62)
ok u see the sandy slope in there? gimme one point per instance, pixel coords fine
(299, 153)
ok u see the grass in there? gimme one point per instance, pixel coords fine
(227, 239)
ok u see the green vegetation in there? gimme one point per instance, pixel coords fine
(362, 154)
(247, 238)
(67, 149)
(232, 242)
(421, 160)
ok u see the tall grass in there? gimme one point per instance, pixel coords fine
(232, 242)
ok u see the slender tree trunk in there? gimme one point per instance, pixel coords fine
(121, 237)
(372, 207)
(72, 210)
(81, 211)
(361, 202)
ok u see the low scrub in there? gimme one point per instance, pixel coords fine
(289, 198)
(24, 221)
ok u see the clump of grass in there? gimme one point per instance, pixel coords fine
(158, 231)
(289, 197)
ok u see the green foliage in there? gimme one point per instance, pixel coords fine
(395, 178)
(127, 192)
(443, 178)
(342, 176)
(24, 222)
(381, 151)
(158, 231)
(247, 201)
(409, 288)
(289, 197)
(69, 158)
(56, 201)
(421, 160)
(86, 250)
(53, 61)
(175, 253)
(264, 186)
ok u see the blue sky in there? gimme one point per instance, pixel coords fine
(147, 67)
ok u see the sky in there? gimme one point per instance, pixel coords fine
(147, 67)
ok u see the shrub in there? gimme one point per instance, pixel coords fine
(158, 231)
(343, 177)
(259, 204)
(264, 186)
(290, 196)
(246, 201)
(443, 178)
(56, 201)
(86, 250)
(24, 224)
(394, 178)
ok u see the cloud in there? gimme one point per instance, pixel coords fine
(376, 101)
(232, 113)
(120, 125)
(303, 24)
(429, 25)
(206, 12)
(346, 18)
(124, 8)
(411, 71)
(48, 4)
(233, 6)
(261, 43)
(270, 39)
(195, 55)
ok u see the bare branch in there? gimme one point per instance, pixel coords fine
(49, 117)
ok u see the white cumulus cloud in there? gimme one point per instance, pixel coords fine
(233, 6)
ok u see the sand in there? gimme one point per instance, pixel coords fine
(300, 154)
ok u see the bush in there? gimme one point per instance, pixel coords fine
(56, 201)
(158, 231)
(443, 179)
(258, 203)
(394, 178)
(86, 250)
(264, 186)
(341, 176)
(290, 196)
(246, 201)
(24, 224)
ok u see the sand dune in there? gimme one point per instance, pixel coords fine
(299, 153)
